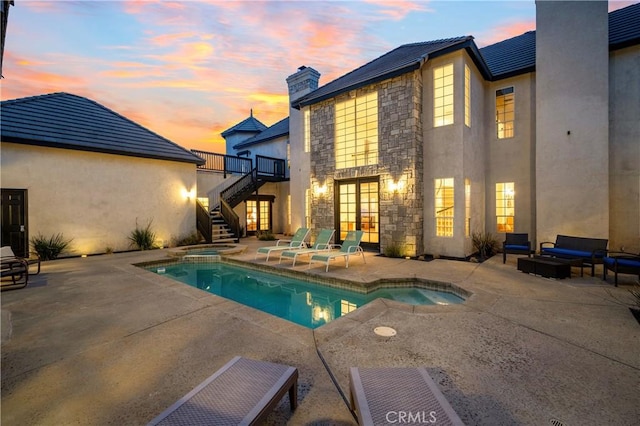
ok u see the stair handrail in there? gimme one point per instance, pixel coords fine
(231, 218)
(247, 181)
(203, 222)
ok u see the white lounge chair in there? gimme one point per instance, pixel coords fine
(350, 246)
(296, 242)
(323, 242)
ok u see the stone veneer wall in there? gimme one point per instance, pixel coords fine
(400, 159)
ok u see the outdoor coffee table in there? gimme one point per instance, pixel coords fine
(548, 267)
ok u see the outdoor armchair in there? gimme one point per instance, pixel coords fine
(516, 244)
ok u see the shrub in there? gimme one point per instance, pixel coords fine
(394, 250)
(143, 238)
(266, 235)
(485, 244)
(189, 240)
(49, 248)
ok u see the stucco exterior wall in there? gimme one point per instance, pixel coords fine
(95, 199)
(444, 149)
(624, 150)
(475, 154)
(513, 159)
(572, 119)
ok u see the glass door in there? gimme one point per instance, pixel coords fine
(358, 208)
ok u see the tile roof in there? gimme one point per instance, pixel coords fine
(399, 61)
(63, 120)
(281, 128)
(624, 27)
(248, 125)
(504, 59)
(511, 57)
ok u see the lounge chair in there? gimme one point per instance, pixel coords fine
(242, 392)
(516, 244)
(323, 242)
(296, 242)
(621, 263)
(14, 271)
(34, 259)
(350, 246)
(380, 395)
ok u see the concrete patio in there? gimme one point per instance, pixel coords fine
(96, 341)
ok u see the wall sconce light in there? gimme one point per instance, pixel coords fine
(189, 195)
(320, 190)
(396, 186)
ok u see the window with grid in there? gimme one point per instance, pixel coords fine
(467, 96)
(443, 95)
(505, 206)
(356, 124)
(444, 207)
(505, 112)
(307, 130)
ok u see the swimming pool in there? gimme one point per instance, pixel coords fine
(305, 303)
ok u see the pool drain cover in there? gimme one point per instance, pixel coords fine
(384, 331)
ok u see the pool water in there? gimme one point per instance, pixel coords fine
(308, 304)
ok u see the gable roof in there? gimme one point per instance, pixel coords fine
(281, 128)
(63, 120)
(501, 60)
(399, 61)
(248, 125)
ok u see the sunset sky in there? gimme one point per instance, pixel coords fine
(189, 70)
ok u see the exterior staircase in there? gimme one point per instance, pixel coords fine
(222, 224)
(220, 231)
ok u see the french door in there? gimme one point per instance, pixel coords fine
(358, 208)
(259, 214)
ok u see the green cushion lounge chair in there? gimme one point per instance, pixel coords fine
(323, 242)
(350, 246)
(296, 242)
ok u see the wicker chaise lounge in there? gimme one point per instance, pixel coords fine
(242, 392)
(381, 396)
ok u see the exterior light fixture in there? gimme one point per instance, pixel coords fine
(320, 190)
(189, 195)
(396, 186)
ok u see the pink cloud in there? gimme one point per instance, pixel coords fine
(399, 9)
(505, 32)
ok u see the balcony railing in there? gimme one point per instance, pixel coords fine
(228, 164)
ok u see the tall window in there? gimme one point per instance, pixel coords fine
(357, 131)
(467, 96)
(444, 207)
(307, 208)
(467, 208)
(443, 95)
(505, 206)
(505, 112)
(307, 130)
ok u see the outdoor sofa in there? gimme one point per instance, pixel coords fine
(590, 250)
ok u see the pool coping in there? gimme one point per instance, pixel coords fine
(334, 282)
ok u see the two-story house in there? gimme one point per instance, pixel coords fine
(434, 141)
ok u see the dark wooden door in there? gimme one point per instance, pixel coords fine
(14, 221)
